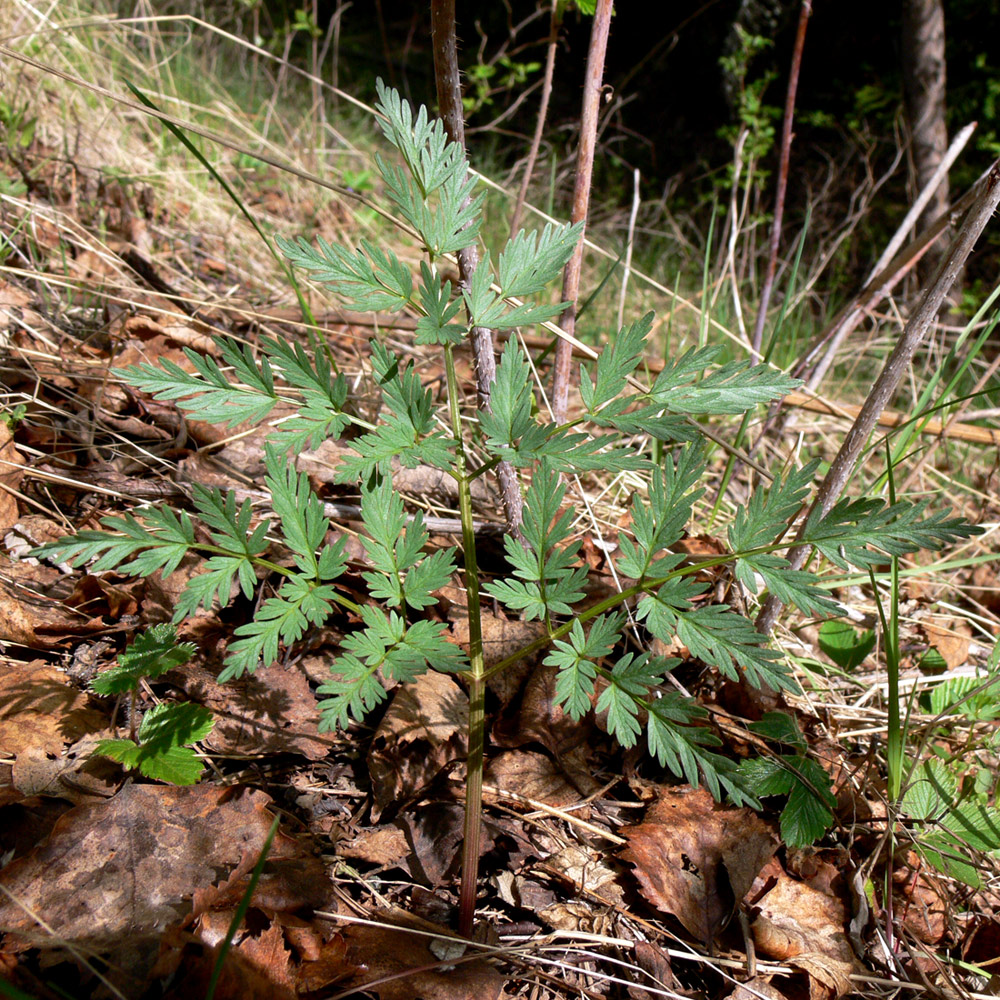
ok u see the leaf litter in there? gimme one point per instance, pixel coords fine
(149, 877)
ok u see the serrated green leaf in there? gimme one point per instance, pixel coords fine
(616, 363)
(732, 388)
(283, 618)
(151, 654)
(371, 278)
(781, 728)
(859, 531)
(437, 325)
(208, 392)
(530, 262)
(807, 814)
(576, 659)
(180, 724)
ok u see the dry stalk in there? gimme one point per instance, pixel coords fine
(779, 197)
(581, 201)
(449, 94)
(543, 110)
(895, 367)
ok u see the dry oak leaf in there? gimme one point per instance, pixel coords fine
(127, 867)
(805, 928)
(271, 711)
(951, 641)
(501, 638)
(395, 965)
(696, 859)
(39, 709)
(422, 732)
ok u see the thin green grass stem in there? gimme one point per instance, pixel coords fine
(241, 911)
(307, 312)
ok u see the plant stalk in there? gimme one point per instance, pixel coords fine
(471, 844)
(449, 95)
(920, 322)
(779, 196)
(555, 21)
(581, 201)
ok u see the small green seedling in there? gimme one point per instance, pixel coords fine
(163, 750)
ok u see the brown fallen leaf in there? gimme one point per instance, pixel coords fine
(29, 617)
(755, 989)
(38, 708)
(75, 775)
(951, 641)
(395, 965)
(123, 869)
(501, 638)
(805, 928)
(696, 859)
(11, 474)
(422, 732)
(271, 711)
(532, 775)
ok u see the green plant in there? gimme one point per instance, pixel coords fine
(161, 747)
(808, 813)
(434, 194)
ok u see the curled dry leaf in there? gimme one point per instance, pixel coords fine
(422, 732)
(805, 928)
(696, 859)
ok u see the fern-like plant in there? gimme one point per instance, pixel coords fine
(433, 191)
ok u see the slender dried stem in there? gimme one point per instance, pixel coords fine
(581, 201)
(779, 196)
(449, 94)
(895, 367)
(543, 111)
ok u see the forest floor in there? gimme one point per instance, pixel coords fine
(602, 876)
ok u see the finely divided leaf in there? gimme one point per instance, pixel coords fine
(577, 661)
(616, 363)
(530, 262)
(209, 393)
(757, 524)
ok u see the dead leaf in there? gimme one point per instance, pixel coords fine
(696, 859)
(587, 873)
(77, 775)
(655, 963)
(755, 989)
(434, 834)
(39, 709)
(29, 617)
(951, 641)
(805, 928)
(532, 775)
(271, 711)
(127, 867)
(385, 957)
(382, 845)
(422, 732)
(11, 474)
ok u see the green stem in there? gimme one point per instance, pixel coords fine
(476, 676)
